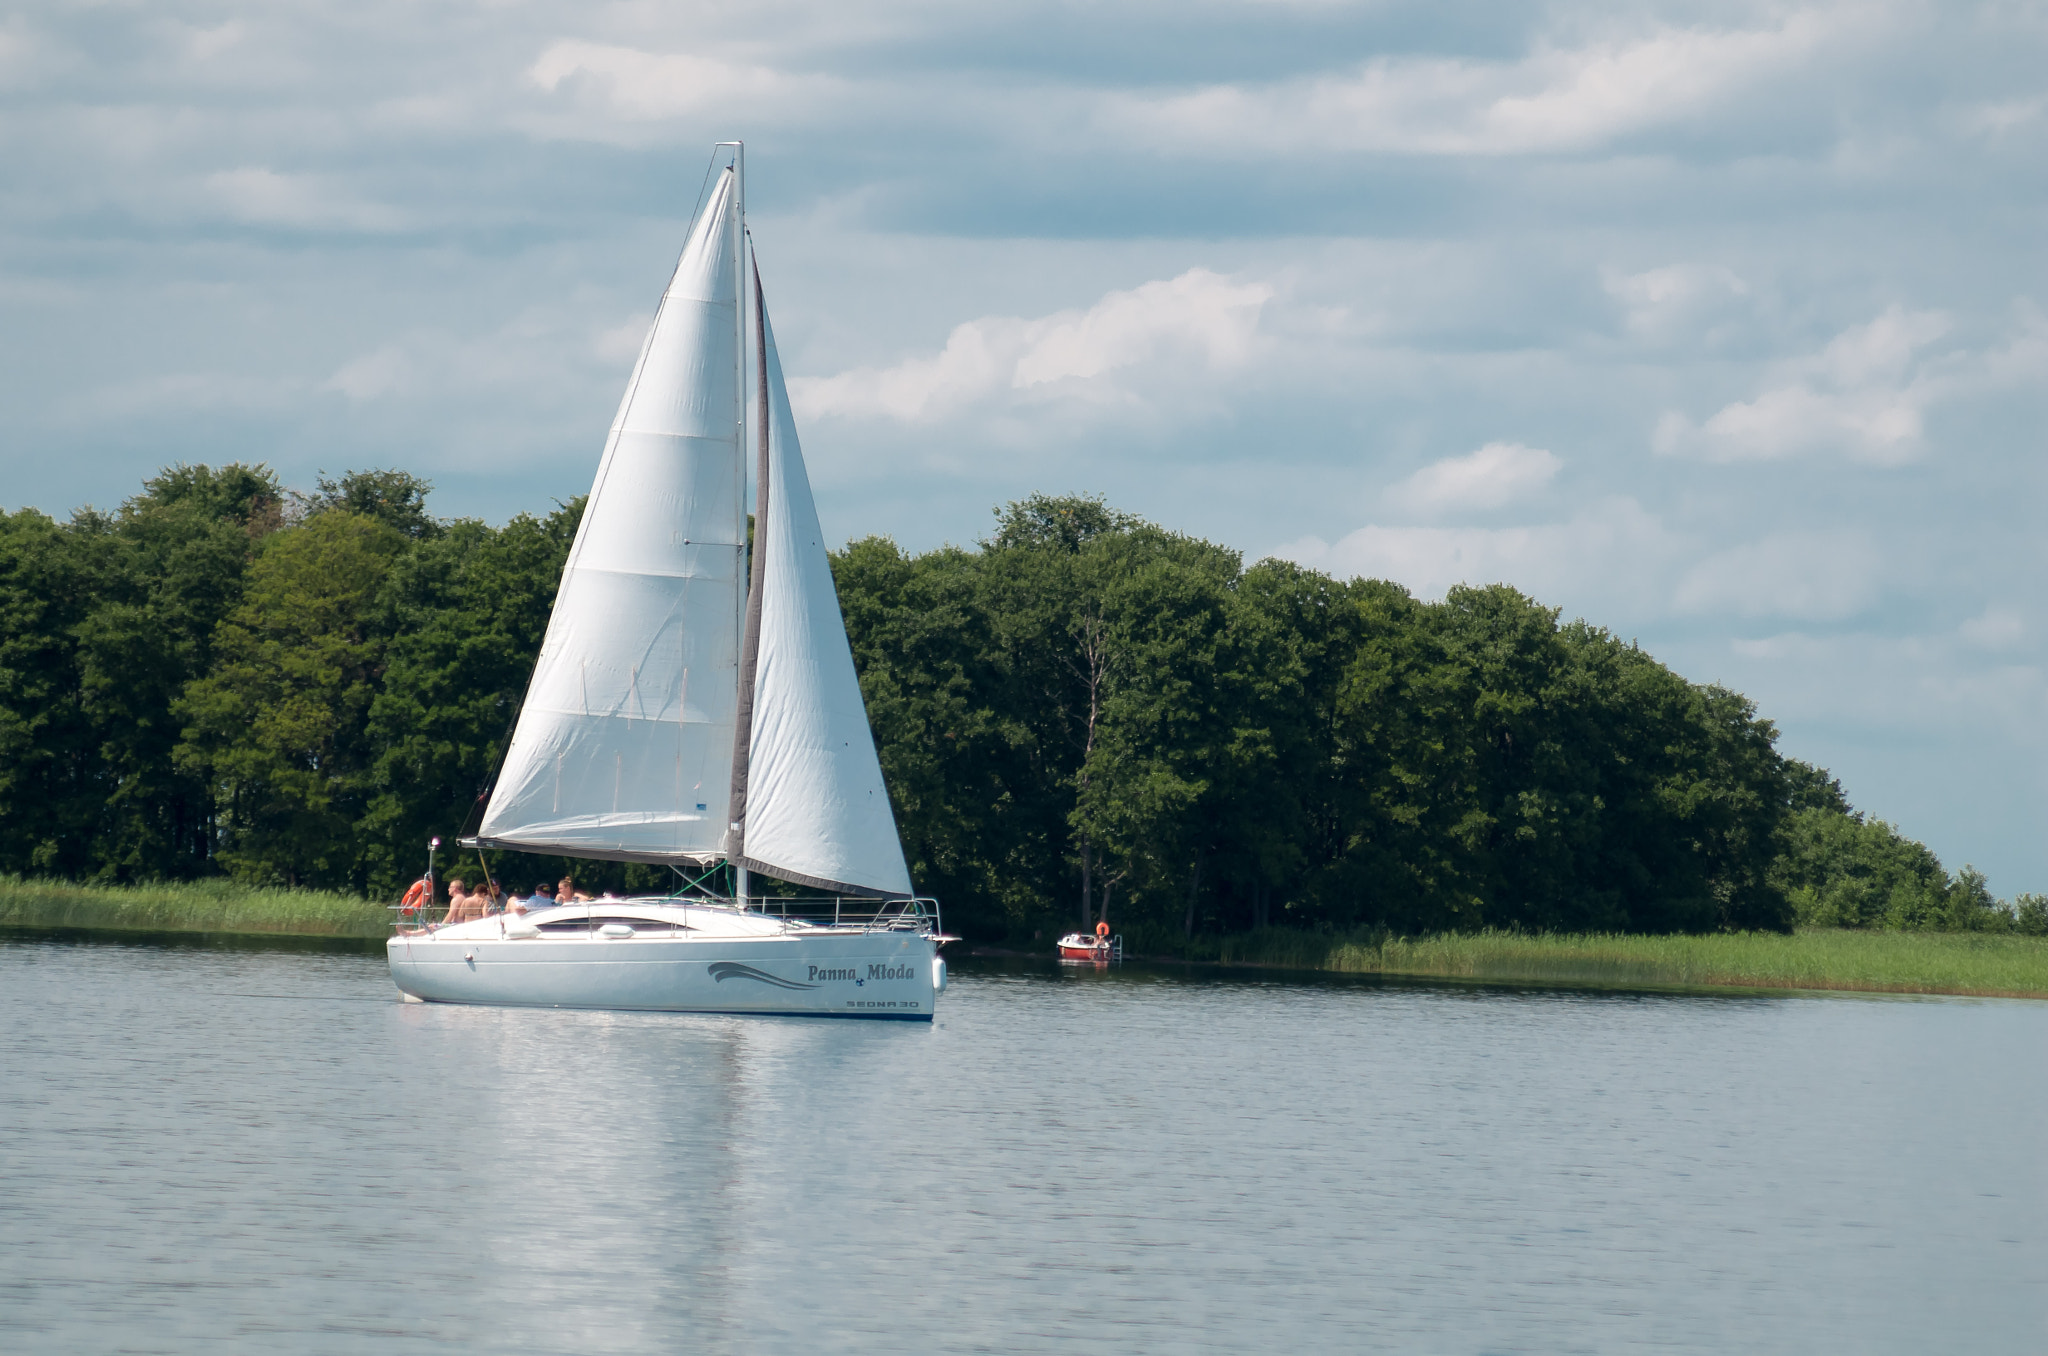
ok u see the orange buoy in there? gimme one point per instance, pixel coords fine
(1102, 931)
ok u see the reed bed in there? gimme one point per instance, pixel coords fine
(190, 906)
(1985, 964)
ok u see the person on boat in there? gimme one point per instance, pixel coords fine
(566, 893)
(462, 905)
(543, 897)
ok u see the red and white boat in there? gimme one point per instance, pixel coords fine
(1099, 949)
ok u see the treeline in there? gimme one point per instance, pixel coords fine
(1084, 715)
(224, 677)
(1087, 708)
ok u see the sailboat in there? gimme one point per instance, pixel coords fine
(692, 710)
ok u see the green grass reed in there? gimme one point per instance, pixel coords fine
(1812, 958)
(194, 906)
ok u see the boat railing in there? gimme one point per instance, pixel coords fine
(417, 917)
(852, 912)
(867, 914)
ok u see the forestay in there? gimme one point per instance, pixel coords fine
(623, 749)
(817, 812)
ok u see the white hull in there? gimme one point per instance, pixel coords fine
(726, 962)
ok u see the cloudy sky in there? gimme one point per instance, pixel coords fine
(1724, 326)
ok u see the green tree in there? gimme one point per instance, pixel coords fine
(1842, 870)
(468, 609)
(398, 499)
(102, 622)
(278, 727)
(49, 795)
(179, 550)
(1150, 640)
(1082, 710)
(958, 768)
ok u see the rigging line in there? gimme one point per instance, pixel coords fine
(489, 783)
(704, 184)
(689, 884)
(490, 887)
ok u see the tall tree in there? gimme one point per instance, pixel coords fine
(278, 727)
(102, 622)
(49, 795)
(398, 499)
(468, 609)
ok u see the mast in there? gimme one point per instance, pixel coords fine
(750, 635)
(749, 601)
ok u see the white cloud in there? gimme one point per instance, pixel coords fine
(649, 86)
(263, 197)
(1865, 395)
(532, 353)
(1997, 119)
(1496, 475)
(1199, 316)
(1996, 628)
(1554, 99)
(387, 371)
(1661, 303)
(207, 43)
(17, 54)
(1895, 683)
(185, 392)
(622, 343)
(1809, 576)
(1611, 550)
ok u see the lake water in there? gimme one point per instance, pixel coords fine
(263, 1150)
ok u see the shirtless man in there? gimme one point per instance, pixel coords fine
(462, 905)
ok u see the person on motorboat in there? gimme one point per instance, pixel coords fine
(543, 897)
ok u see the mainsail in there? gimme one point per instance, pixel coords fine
(816, 809)
(630, 744)
(623, 748)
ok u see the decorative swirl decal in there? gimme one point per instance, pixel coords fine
(724, 970)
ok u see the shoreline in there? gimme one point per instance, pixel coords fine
(1965, 965)
(1815, 960)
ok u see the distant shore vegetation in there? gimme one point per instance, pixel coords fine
(1081, 716)
(1872, 960)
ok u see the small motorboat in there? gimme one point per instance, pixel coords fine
(1099, 949)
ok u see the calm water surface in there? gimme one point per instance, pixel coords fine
(205, 1150)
